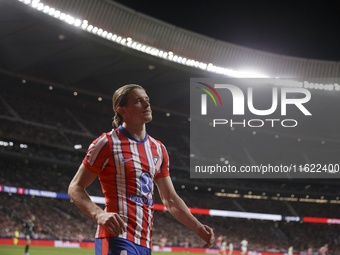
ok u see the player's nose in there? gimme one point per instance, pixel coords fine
(146, 104)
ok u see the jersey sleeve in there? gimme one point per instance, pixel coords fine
(164, 169)
(97, 154)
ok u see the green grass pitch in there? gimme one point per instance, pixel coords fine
(39, 250)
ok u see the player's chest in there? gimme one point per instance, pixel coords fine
(136, 157)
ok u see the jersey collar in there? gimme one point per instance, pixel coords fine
(128, 135)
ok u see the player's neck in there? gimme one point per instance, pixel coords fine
(137, 131)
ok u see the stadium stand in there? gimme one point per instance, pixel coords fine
(41, 124)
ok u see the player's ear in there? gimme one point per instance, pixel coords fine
(121, 110)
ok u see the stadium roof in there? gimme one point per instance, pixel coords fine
(41, 48)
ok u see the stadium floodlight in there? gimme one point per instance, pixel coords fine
(89, 28)
(40, 6)
(69, 19)
(94, 30)
(35, 3)
(62, 16)
(77, 22)
(210, 67)
(85, 24)
(46, 9)
(57, 14)
(246, 215)
(2, 143)
(51, 11)
(23, 146)
(78, 146)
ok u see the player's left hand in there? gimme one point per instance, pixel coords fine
(206, 233)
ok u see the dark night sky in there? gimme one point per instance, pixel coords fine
(308, 29)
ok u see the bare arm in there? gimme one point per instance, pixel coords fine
(83, 178)
(180, 211)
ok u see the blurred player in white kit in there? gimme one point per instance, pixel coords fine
(290, 250)
(244, 244)
(223, 245)
(231, 248)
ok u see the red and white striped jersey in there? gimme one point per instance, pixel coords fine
(127, 169)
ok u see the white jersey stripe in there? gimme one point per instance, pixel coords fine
(93, 154)
(139, 209)
(105, 163)
(120, 179)
(159, 151)
(148, 235)
(149, 156)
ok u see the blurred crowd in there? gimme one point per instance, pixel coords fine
(40, 127)
(62, 220)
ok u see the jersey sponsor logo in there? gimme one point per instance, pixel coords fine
(146, 184)
(141, 200)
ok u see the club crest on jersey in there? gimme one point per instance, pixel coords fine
(155, 160)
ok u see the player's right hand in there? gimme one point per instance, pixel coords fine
(112, 222)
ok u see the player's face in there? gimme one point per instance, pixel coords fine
(137, 110)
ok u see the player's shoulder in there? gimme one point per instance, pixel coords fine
(102, 138)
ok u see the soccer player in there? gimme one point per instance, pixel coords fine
(290, 250)
(244, 245)
(223, 245)
(28, 230)
(163, 242)
(219, 241)
(231, 248)
(324, 250)
(128, 163)
(310, 251)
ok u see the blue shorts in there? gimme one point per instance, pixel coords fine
(119, 246)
